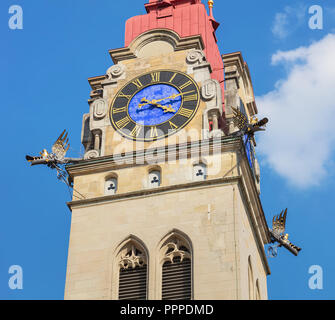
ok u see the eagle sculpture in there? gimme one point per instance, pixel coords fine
(241, 121)
(278, 233)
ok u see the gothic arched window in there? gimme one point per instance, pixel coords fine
(176, 269)
(133, 268)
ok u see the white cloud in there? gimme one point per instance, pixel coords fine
(287, 21)
(300, 137)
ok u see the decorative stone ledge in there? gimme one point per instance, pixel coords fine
(161, 154)
(166, 35)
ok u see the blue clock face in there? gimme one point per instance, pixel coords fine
(152, 114)
(155, 105)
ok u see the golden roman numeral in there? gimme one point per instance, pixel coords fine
(136, 131)
(191, 97)
(172, 78)
(138, 83)
(155, 77)
(122, 95)
(153, 132)
(185, 85)
(119, 110)
(173, 126)
(123, 122)
(185, 112)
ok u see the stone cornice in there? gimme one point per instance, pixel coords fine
(95, 82)
(178, 43)
(147, 192)
(159, 155)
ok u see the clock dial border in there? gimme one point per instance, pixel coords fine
(128, 128)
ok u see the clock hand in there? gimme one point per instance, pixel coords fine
(145, 102)
(174, 96)
(165, 108)
(154, 101)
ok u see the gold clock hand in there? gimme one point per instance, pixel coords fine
(154, 101)
(177, 95)
(168, 109)
(145, 102)
(165, 108)
(174, 96)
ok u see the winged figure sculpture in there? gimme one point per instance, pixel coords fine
(57, 160)
(241, 121)
(278, 233)
(58, 154)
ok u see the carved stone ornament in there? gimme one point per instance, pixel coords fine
(195, 57)
(115, 71)
(131, 257)
(208, 90)
(90, 155)
(99, 109)
(175, 248)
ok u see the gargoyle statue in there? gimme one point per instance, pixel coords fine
(57, 156)
(278, 233)
(241, 121)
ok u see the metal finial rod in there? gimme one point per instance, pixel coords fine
(210, 5)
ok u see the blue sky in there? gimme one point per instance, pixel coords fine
(44, 90)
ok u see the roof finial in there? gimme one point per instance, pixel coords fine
(210, 5)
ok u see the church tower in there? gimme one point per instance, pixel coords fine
(166, 202)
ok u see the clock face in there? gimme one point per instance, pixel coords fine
(155, 105)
